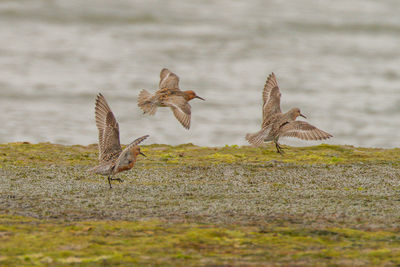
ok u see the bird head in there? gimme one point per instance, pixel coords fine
(136, 151)
(295, 112)
(189, 95)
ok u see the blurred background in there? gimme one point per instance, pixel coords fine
(338, 61)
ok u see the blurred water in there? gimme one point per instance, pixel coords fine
(339, 61)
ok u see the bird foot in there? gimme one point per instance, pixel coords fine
(118, 179)
(114, 179)
(279, 149)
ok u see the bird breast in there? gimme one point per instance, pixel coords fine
(124, 166)
(125, 162)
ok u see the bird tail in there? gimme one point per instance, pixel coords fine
(93, 170)
(258, 138)
(146, 102)
(101, 169)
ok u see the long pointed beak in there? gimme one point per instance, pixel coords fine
(199, 97)
(142, 154)
(303, 116)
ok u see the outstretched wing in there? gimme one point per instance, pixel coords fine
(181, 109)
(108, 130)
(136, 142)
(303, 130)
(168, 79)
(271, 98)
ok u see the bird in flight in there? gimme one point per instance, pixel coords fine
(112, 159)
(276, 124)
(169, 95)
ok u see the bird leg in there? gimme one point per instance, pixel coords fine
(279, 149)
(109, 181)
(113, 179)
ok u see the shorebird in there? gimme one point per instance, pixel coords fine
(277, 124)
(111, 156)
(169, 95)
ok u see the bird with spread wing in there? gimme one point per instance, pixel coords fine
(276, 124)
(169, 95)
(111, 156)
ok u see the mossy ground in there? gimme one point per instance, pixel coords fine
(189, 205)
(23, 154)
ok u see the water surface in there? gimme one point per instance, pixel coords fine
(338, 61)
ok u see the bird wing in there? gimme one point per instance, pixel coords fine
(271, 97)
(108, 127)
(168, 79)
(136, 142)
(303, 130)
(181, 109)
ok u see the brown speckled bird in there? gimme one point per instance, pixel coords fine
(277, 124)
(111, 156)
(168, 95)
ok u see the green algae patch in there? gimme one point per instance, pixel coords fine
(189, 154)
(46, 154)
(27, 241)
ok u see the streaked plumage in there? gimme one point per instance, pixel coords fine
(277, 124)
(168, 95)
(112, 159)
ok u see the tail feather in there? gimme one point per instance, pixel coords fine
(105, 169)
(146, 103)
(258, 138)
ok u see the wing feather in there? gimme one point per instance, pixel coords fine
(271, 97)
(181, 109)
(168, 79)
(303, 130)
(136, 142)
(108, 127)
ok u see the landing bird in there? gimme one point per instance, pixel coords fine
(111, 156)
(168, 95)
(277, 124)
